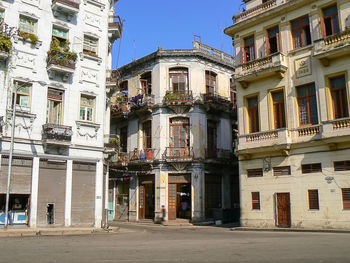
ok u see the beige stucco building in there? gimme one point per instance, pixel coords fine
(292, 78)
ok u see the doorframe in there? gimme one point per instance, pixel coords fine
(276, 209)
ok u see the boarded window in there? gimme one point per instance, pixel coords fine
(256, 200)
(178, 78)
(54, 106)
(210, 82)
(255, 172)
(311, 168)
(282, 170)
(90, 45)
(313, 199)
(342, 166)
(346, 198)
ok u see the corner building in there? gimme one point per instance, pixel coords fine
(173, 115)
(292, 79)
(57, 62)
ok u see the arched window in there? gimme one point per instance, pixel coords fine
(178, 78)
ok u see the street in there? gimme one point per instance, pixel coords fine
(149, 243)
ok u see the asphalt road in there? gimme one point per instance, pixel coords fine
(139, 243)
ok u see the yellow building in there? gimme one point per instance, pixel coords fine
(292, 78)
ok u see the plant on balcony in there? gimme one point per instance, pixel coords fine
(90, 53)
(59, 54)
(33, 38)
(171, 96)
(5, 44)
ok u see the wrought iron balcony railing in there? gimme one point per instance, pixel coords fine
(142, 155)
(174, 97)
(141, 101)
(179, 153)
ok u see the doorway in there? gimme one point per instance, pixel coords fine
(122, 201)
(283, 209)
(179, 197)
(50, 214)
(146, 200)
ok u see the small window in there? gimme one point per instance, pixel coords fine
(313, 199)
(256, 200)
(210, 82)
(23, 96)
(339, 97)
(248, 51)
(90, 46)
(342, 166)
(281, 170)
(255, 172)
(87, 108)
(330, 23)
(307, 104)
(346, 198)
(301, 32)
(60, 33)
(311, 168)
(253, 114)
(278, 110)
(273, 45)
(27, 25)
(54, 106)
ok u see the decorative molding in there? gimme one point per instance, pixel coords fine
(27, 14)
(93, 58)
(89, 75)
(93, 20)
(36, 45)
(302, 67)
(22, 114)
(92, 125)
(25, 60)
(95, 3)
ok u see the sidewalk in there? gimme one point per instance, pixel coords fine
(278, 229)
(22, 231)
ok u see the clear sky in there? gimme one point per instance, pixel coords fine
(172, 24)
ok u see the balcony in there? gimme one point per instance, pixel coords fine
(111, 143)
(254, 11)
(112, 78)
(69, 7)
(178, 154)
(335, 131)
(61, 62)
(217, 102)
(115, 27)
(332, 47)
(120, 110)
(306, 133)
(142, 102)
(119, 159)
(273, 65)
(142, 156)
(275, 140)
(55, 134)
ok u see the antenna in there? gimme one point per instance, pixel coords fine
(134, 42)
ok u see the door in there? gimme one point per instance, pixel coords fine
(172, 202)
(283, 210)
(142, 202)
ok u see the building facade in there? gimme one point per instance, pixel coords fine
(292, 79)
(57, 57)
(173, 117)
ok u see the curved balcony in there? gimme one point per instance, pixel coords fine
(55, 134)
(141, 103)
(69, 7)
(115, 27)
(254, 11)
(120, 110)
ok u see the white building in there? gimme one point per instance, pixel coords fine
(174, 115)
(58, 62)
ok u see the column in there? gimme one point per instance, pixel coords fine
(98, 194)
(68, 200)
(133, 199)
(198, 193)
(34, 192)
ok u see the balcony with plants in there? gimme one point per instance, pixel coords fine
(68, 7)
(141, 102)
(60, 59)
(120, 108)
(5, 46)
(178, 97)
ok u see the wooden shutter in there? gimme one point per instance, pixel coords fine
(313, 199)
(342, 166)
(323, 27)
(346, 198)
(256, 200)
(281, 170)
(172, 202)
(255, 172)
(311, 168)
(142, 202)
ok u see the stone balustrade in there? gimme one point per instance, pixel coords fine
(254, 11)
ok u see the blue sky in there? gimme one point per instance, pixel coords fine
(172, 24)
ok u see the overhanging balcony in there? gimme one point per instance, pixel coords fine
(273, 65)
(142, 156)
(336, 131)
(112, 78)
(59, 62)
(120, 110)
(115, 27)
(68, 7)
(55, 134)
(119, 159)
(332, 47)
(217, 102)
(254, 11)
(142, 102)
(178, 154)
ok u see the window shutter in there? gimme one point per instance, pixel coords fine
(282, 170)
(346, 198)
(313, 199)
(255, 172)
(256, 200)
(242, 55)
(323, 28)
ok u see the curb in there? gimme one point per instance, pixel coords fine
(290, 230)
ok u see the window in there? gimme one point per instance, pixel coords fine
(278, 110)
(346, 198)
(339, 97)
(329, 21)
(281, 170)
(248, 51)
(90, 46)
(179, 132)
(59, 33)
(273, 44)
(211, 139)
(27, 24)
(307, 105)
(210, 82)
(54, 106)
(342, 166)
(147, 134)
(178, 79)
(146, 83)
(313, 199)
(311, 168)
(124, 86)
(256, 200)
(124, 139)
(253, 114)
(23, 96)
(87, 108)
(255, 172)
(301, 32)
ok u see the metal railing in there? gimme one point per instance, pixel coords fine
(254, 11)
(142, 154)
(120, 108)
(178, 96)
(179, 153)
(112, 24)
(141, 100)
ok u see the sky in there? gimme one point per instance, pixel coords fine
(149, 24)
